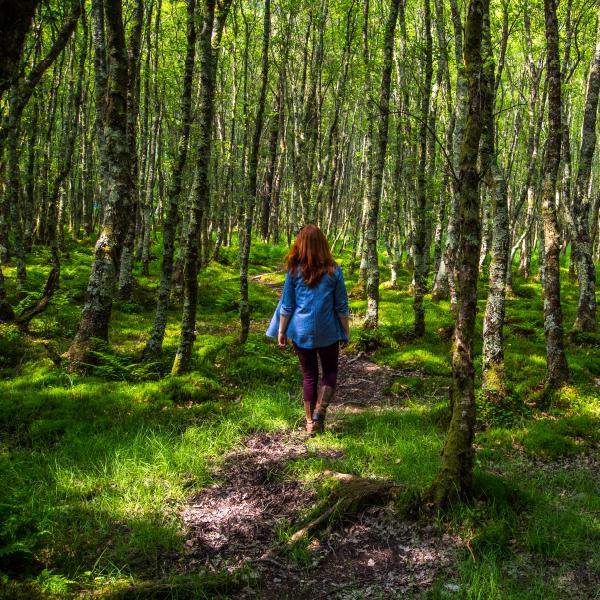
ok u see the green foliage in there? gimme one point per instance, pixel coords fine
(54, 584)
(13, 345)
(187, 388)
(500, 410)
(96, 466)
(110, 365)
(259, 360)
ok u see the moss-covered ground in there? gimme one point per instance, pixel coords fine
(95, 467)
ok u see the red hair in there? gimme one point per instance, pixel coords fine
(311, 254)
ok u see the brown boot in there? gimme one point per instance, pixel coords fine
(318, 417)
(308, 410)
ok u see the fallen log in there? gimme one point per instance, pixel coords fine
(23, 318)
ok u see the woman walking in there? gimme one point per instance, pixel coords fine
(313, 313)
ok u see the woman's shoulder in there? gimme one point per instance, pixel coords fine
(334, 275)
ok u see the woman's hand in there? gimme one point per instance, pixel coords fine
(281, 337)
(345, 323)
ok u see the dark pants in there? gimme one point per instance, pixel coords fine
(310, 369)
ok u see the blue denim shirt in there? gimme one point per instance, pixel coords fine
(313, 311)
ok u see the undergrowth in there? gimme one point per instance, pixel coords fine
(97, 465)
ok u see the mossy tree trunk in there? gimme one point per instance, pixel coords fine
(557, 368)
(200, 192)
(493, 322)
(586, 308)
(251, 191)
(454, 478)
(113, 144)
(133, 106)
(374, 198)
(155, 341)
(200, 198)
(445, 284)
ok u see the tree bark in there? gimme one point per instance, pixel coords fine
(155, 341)
(125, 284)
(251, 191)
(493, 322)
(585, 319)
(420, 250)
(557, 368)
(98, 300)
(200, 195)
(454, 479)
(374, 198)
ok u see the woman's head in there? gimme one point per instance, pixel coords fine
(311, 254)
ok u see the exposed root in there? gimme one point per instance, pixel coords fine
(350, 496)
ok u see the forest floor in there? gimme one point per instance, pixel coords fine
(377, 554)
(125, 482)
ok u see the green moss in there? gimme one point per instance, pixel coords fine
(96, 466)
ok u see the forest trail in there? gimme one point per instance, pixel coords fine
(239, 520)
(260, 500)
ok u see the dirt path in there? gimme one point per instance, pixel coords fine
(237, 521)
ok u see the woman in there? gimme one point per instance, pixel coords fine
(313, 313)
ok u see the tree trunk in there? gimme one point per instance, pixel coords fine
(252, 176)
(585, 319)
(493, 322)
(454, 479)
(558, 371)
(420, 249)
(125, 284)
(446, 282)
(13, 192)
(374, 199)
(200, 194)
(155, 341)
(98, 299)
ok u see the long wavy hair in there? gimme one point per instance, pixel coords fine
(311, 254)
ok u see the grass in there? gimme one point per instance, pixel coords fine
(96, 467)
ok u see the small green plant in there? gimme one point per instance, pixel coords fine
(13, 345)
(55, 584)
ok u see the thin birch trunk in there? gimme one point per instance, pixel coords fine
(557, 368)
(420, 249)
(251, 191)
(155, 340)
(372, 288)
(585, 319)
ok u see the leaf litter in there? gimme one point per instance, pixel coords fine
(235, 522)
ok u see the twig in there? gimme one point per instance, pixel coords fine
(350, 402)
(357, 357)
(337, 588)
